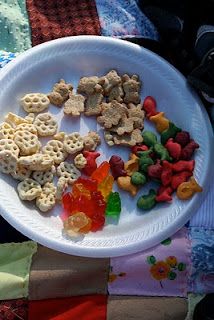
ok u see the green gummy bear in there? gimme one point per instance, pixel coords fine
(144, 163)
(147, 202)
(149, 138)
(113, 207)
(169, 133)
(162, 152)
(138, 178)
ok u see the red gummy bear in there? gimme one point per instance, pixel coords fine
(117, 167)
(91, 164)
(89, 184)
(173, 148)
(188, 150)
(154, 171)
(183, 138)
(164, 194)
(166, 175)
(98, 217)
(179, 178)
(149, 105)
(141, 147)
(183, 165)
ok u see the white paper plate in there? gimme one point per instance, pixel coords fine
(70, 58)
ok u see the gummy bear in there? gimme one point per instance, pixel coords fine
(89, 184)
(106, 186)
(101, 172)
(75, 223)
(113, 207)
(79, 189)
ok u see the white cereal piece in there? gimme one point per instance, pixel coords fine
(55, 150)
(68, 171)
(59, 136)
(14, 120)
(21, 173)
(8, 162)
(74, 105)
(9, 145)
(62, 185)
(7, 133)
(29, 189)
(45, 124)
(91, 141)
(46, 200)
(73, 143)
(35, 102)
(27, 142)
(27, 127)
(43, 177)
(30, 117)
(37, 161)
(80, 161)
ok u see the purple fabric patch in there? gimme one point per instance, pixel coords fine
(160, 271)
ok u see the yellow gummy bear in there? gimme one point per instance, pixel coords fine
(105, 187)
(160, 121)
(187, 189)
(132, 165)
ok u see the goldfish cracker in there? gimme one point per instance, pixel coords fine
(125, 184)
(160, 121)
(187, 189)
(132, 165)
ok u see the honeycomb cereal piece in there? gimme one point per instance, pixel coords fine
(9, 144)
(27, 127)
(29, 189)
(8, 162)
(27, 142)
(59, 136)
(37, 161)
(93, 104)
(62, 185)
(14, 120)
(55, 150)
(68, 171)
(44, 176)
(91, 141)
(89, 85)
(131, 87)
(30, 117)
(21, 173)
(80, 161)
(7, 133)
(111, 114)
(45, 124)
(73, 143)
(111, 79)
(129, 140)
(46, 200)
(74, 105)
(35, 102)
(5, 125)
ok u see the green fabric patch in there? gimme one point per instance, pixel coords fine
(15, 34)
(15, 263)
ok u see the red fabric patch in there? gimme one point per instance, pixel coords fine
(82, 308)
(56, 19)
(14, 309)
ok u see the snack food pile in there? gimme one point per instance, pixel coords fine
(115, 102)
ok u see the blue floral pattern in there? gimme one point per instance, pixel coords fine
(123, 18)
(202, 275)
(6, 57)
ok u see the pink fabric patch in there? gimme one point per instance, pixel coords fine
(160, 271)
